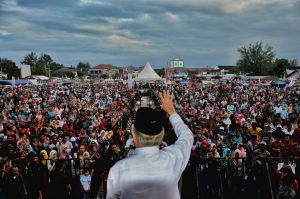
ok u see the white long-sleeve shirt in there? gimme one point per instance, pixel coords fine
(150, 172)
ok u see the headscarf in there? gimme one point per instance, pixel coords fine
(52, 152)
(30, 149)
(44, 155)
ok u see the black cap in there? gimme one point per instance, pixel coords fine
(148, 121)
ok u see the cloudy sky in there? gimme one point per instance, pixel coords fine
(131, 32)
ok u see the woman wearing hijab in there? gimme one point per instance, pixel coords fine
(51, 162)
(44, 156)
(29, 151)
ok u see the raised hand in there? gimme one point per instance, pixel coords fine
(166, 100)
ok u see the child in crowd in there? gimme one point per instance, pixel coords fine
(85, 181)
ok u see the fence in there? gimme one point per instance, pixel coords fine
(231, 178)
(203, 177)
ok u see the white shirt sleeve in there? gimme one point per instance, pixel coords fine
(112, 189)
(182, 147)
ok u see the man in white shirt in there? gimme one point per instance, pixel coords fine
(152, 173)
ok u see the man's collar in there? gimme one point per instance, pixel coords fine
(146, 150)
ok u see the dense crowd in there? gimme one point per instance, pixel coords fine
(60, 142)
(257, 124)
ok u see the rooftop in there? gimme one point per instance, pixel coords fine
(104, 67)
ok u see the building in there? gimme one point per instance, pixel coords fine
(3, 75)
(205, 72)
(176, 63)
(227, 69)
(104, 70)
(293, 72)
(38, 79)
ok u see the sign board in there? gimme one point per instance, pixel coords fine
(25, 71)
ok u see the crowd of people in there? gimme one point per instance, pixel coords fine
(60, 142)
(259, 125)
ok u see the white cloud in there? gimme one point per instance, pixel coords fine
(145, 18)
(172, 17)
(113, 37)
(130, 30)
(227, 6)
(118, 21)
(97, 2)
(4, 32)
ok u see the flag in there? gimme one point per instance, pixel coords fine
(167, 73)
(13, 81)
(125, 73)
(291, 84)
(130, 80)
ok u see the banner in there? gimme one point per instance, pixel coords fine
(13, 81)
(130, 80)
(125, 73)
(167, 73)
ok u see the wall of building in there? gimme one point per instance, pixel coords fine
(176, 63)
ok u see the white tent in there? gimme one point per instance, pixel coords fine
(148, 74)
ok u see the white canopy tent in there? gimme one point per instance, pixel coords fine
(148, 74)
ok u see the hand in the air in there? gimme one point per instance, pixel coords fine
(166, 100)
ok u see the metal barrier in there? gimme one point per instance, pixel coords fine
(230, 178)
(203, 177)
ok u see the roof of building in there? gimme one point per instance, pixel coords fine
(294, 68)
(104, 67)
(38, 77)
(226, 67)
(198, 70)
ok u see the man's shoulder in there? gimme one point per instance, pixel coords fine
(123, 162)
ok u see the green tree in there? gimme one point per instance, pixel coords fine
(30, 59)
(104, 76)
(255, 58)
(293, 63)
(280, 67)
(9, 67)
(83, 68)
(41, 65)
(160, 72)
(55, 66)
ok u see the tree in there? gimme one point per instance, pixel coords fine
(9, 67)
(293, 63)
(280, 67)
(41, 65)
(55, 66)
(104, 76)
(30, 59)
(83, 68)
(160, 72)
(255, 58)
